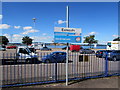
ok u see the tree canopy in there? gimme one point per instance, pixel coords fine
(4, 40)
(116, 39)
(90, 39)
(27, 40)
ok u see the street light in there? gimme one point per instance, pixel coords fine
(34, 21)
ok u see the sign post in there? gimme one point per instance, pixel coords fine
(67, 35)
(67, 25)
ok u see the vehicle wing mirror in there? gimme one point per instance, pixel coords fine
(18, 54)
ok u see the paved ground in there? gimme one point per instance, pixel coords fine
(109, 82)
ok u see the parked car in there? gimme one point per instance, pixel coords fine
(114, 55)
(86, 51)
(99, 53)
(24, 54)
(32, 50)
(54, 57)
(64, 48)
(11, 47)
(2, 48)
(106, 52)
(75, 48)
(45, 49)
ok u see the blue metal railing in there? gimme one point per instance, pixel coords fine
(90, 66)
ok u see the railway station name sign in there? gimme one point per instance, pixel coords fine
(67, 35)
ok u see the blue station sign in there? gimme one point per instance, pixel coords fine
(67, 35)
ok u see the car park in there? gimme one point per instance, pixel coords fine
(45, 49)
(114, 55)
(86, 51)
(54, 57)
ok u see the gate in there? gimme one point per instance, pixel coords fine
(80, 66)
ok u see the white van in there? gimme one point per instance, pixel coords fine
(37, 47)
(25, 55)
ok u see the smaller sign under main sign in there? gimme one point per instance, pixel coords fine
(67, 35)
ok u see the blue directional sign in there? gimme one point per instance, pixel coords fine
(67, 35)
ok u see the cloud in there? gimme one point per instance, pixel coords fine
(44, 34)
(92, 33)
(16, 35)
(102, 42)
(17, 38)
(1, 16)
(14, 38)
(61, 21)
(27, 28)
(42, 39)
(17, 27)
(86, 35)
(115, 36)
(4, 26)
(30, 31)
(8, 36)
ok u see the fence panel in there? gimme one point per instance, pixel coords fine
(80, 66)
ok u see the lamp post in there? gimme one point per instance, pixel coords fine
(11, 37)
(34, 22)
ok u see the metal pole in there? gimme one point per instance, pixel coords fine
(34, 21)
(67, 25)
(11, 38)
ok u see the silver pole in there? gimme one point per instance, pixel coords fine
(11, 38)
(67, 17)
(34, 21)
(67, 25)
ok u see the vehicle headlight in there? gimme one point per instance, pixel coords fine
(108, 54)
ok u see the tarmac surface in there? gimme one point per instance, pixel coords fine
(108, 82)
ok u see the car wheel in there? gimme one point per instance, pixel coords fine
(114, 59)
(28, 61)
(93, 52)
(47, 61)
(64, 61)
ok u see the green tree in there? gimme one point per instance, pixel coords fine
(90, 40)
(116, 39)
(27, 40)
(4, 40)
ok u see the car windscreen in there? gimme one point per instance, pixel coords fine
(28, 50)
(23, 50)
(32, 49)
(109, 51)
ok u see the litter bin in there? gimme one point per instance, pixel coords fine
(86, 58)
